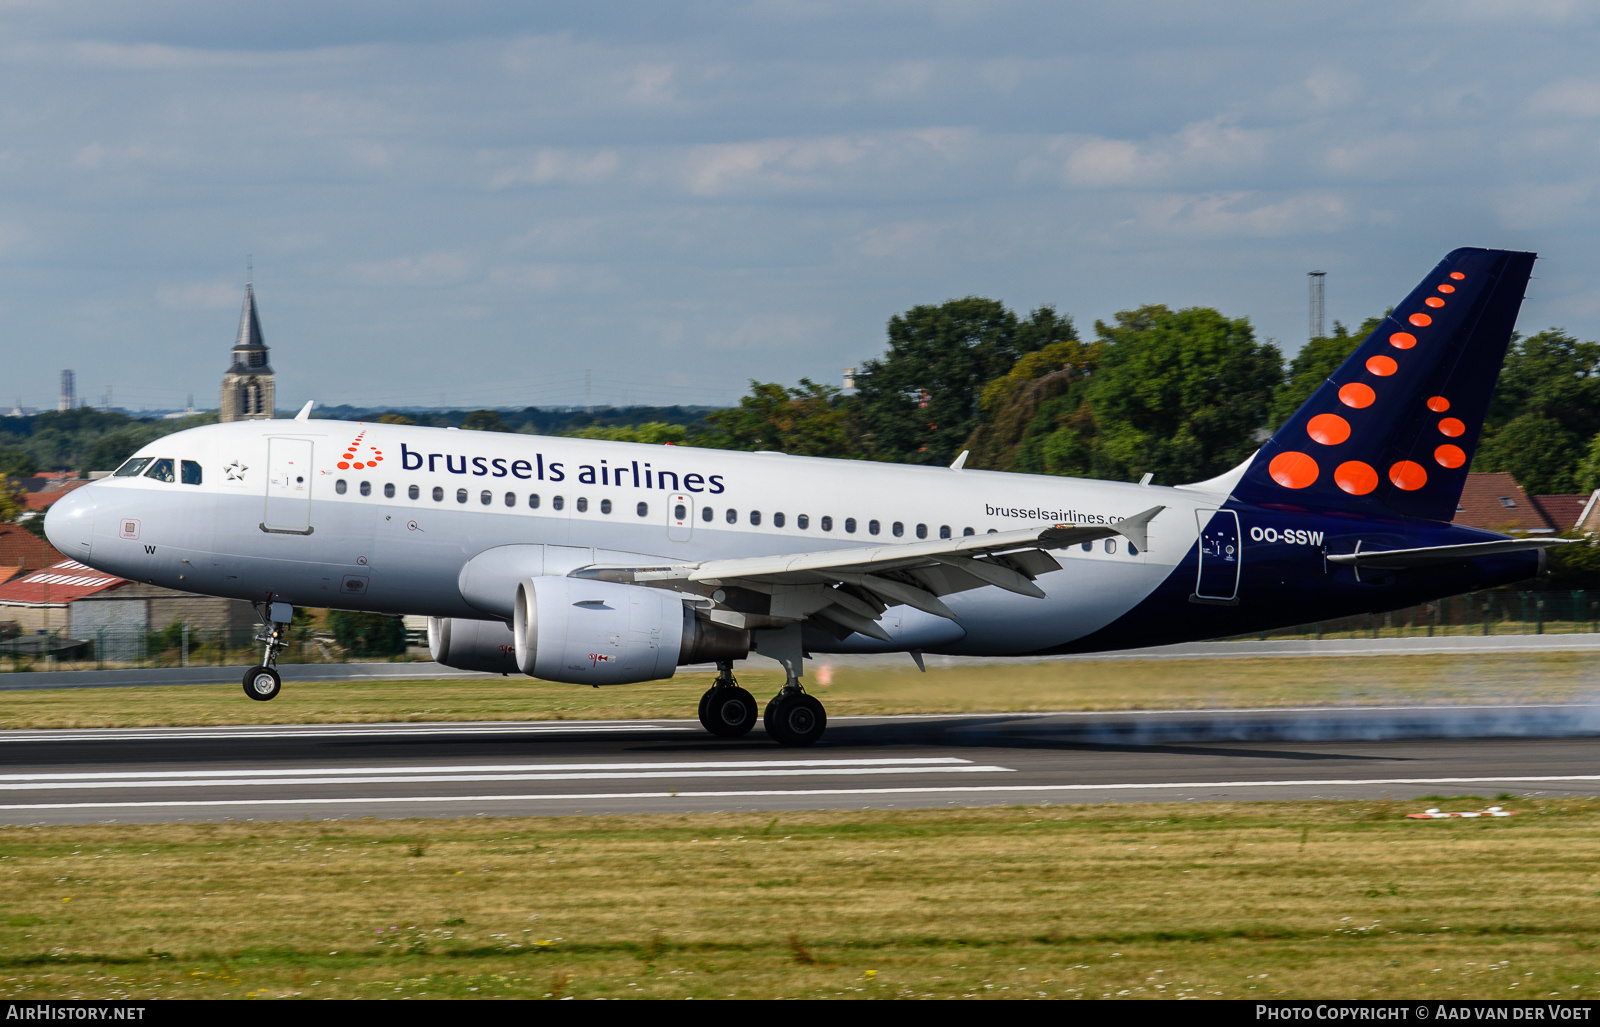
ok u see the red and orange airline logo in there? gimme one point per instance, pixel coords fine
(353, 451)
(1297, 470)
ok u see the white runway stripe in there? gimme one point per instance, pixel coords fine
(382, 731)
(801, 792)
(438, 779)
(491, 768)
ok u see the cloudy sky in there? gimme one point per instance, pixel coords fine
(512, 203)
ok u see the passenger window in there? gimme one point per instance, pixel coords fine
(826, 522)
(556, 502)
(1088, 547)
(461, 495)
(802, 522)
(413, 492)
(583, 504)
(605, 506)
(511, 499)
(366, 488)
(922, 531)
(705, 514)
(340, 487)
(850, 525)
(132, 467)
(777, 520)
(438, 494)
(967, 531)
(872, 527)
(898, 529)
(486, 497)
(388, 490)
(1111, 545)
(644, 510)
(191, 472)
(679, 512)
(732, 516)
(533, 501)
(755, 517)
(944, 531)
(161, 470)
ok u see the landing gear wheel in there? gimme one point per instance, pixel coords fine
(795, 718)
(728, 711)
(262, 683)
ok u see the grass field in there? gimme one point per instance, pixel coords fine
(1089, 685)
(1182, 901)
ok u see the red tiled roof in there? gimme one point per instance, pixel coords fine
(1562, 511)
(7, 573)
(57, 585)
(20, 547)
(1494, 500)
(42, 499)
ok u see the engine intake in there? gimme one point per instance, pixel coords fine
(472, 644)
(602, 633)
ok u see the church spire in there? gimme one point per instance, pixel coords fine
(249, 348)
(248, 387)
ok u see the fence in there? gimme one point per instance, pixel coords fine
(1481, 613)
(175, 647)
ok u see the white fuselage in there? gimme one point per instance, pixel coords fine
(383, 518)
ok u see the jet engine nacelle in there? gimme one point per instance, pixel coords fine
(602, 633)
(472, 644)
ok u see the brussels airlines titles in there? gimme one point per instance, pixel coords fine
(538, 470)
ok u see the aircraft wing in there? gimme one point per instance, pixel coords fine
(1431, 556)
(851, 588)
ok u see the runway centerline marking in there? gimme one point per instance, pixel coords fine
(799, 792)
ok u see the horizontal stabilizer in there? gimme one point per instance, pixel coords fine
(1432, 556)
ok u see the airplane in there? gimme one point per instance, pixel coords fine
(600, 563)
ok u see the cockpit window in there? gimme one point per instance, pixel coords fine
(132, 467)
(161, 470)
(191, 472)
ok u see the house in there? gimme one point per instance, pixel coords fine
(1494, 500)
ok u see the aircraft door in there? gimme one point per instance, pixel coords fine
(288, 487)
(680, 518)
(1220, 555)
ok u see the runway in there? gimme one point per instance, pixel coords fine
(672, 766)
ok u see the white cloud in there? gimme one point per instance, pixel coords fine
(556, 278)
(1240, 215)
(560, 167)
(768, 332)
(1573, 98)
(1545, 206)
(200, 296)
(1201, 147)
(900, 239)
(430, 269)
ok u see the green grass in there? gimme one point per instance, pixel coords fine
(1326, 899)
(1087, 685)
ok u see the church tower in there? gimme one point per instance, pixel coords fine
(247, 388)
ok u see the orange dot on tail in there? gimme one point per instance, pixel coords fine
(1356, 477)
(375, 459)
(1409, 475)
(1328, 429)
(343, 466)
(1420, 320)
(1402, 340)
(358, 465)
(1438, 404)
(1357, 395)
(1452, 427)
(1457, 275)
(1382, 366)
(1449, 456)
(1293, 470)
(1447, 287)
(1434, 301)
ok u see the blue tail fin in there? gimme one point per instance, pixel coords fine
(1396, 426)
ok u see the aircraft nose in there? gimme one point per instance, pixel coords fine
(69, 523)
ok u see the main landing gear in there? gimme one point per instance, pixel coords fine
(792, 717)
(263, 683)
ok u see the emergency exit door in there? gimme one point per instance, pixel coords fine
(1221, 556)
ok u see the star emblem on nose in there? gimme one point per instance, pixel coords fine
(236, 471)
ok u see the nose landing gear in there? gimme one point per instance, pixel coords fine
(263, 683)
